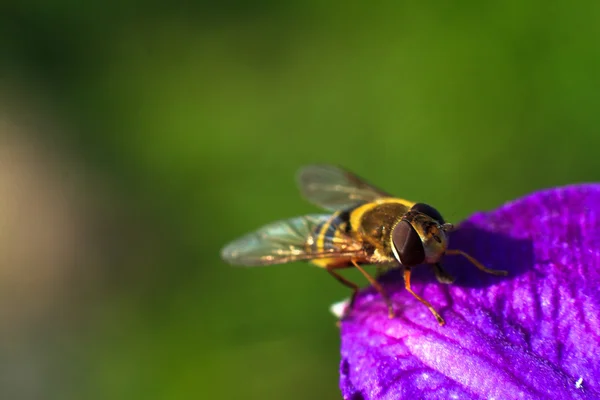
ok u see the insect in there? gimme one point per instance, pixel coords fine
(365, 226)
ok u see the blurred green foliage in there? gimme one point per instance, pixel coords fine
(199, 115)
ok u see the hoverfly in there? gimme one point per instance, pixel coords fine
(367, 227)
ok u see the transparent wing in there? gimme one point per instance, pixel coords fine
(334, 188)
(287, 241)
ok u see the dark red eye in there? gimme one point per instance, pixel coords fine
(428, 210)
(408, 244)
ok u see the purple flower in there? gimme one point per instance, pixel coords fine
(532, 335)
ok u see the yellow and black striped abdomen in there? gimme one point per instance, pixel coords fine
(329, 235)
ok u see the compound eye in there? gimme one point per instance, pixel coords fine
(408, 245)
(428, 210)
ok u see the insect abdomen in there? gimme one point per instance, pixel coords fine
(327, 234)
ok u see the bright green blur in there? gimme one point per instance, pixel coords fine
(197, 118)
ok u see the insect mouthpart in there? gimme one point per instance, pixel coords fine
(447, 227)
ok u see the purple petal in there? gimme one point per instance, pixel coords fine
(532, 335)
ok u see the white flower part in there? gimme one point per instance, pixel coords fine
(339, 308)
(579, 383)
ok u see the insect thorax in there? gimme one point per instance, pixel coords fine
(376, 224)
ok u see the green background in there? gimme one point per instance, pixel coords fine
(195, 118)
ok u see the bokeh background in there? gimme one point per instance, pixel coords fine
(138, 137)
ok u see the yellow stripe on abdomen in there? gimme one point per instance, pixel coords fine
(320, 245)
(325, 241)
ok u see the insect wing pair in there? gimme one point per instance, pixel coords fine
(294, 239)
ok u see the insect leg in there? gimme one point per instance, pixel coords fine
(477, 263)
(442, 275)
(378, 287)
(422, 300)
(346, 282)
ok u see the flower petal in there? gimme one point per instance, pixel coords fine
(534, 334)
